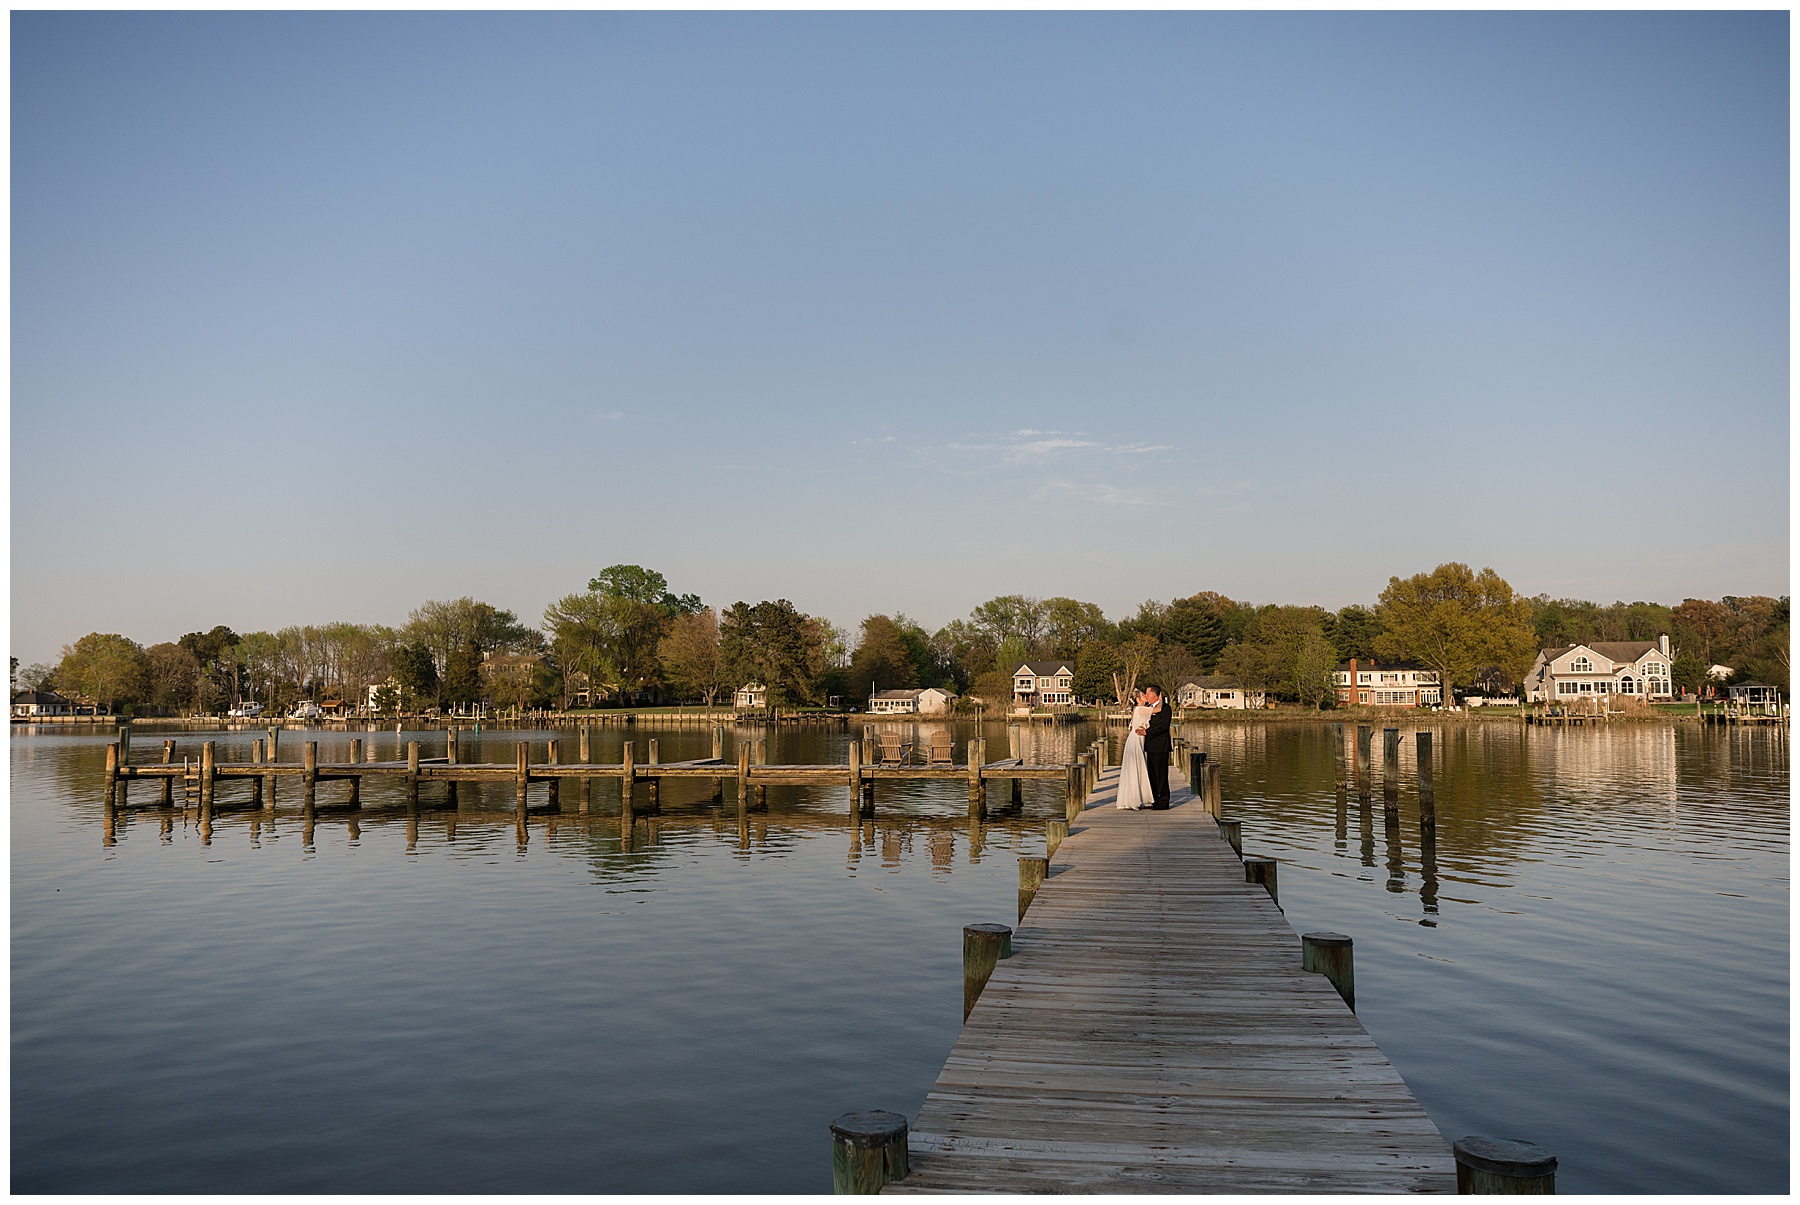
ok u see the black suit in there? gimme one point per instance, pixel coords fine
(1157, 746)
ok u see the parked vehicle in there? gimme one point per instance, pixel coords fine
(244, 710)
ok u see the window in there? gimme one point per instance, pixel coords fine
(1581, 665)
(1362, 696)
(1364, 679)
(1627, 686)
(1567, 688)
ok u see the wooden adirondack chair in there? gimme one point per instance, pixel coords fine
(894, 752)
(940, 750)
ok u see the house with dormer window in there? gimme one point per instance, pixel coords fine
(1373, 684)
(1044, 683)
(1632, 668)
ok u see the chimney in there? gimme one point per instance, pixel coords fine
(1664, 641)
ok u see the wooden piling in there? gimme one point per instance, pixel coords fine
(743, 777)
(1337, 755)
(1072, 796)
(1233, 832)
(309, 768)
(356, 748)
(208, 771)
(1215, 789)
(1503, 1165)
(1427, 793)
(1055, 833)
(1262, 870)
(451, 758)
(761, 791)
(977, 754)
(856, 809)
(868, 1151)
(168, 782)
(983, 946)
(554, 758)
(521, 773)
(112, 773)
(718, 754)
(1333, 956)
(652, 785)
(1032, 873)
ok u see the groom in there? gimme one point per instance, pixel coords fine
(1157, 747)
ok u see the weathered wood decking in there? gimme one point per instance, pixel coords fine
(1153, 1032)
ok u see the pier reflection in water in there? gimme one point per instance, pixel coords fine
(1588, 949)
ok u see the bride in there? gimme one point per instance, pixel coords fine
(1134, 771)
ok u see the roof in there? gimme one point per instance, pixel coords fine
(896, 694)
(1046, 669)
(1378, 666)
(1212, 682)
(28, 697)
(1619, 652)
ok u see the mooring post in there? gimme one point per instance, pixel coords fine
(983, 946)
(1072, 798)
(1364, 735)
(412, 774)
(868, 1150)
(1337, 757)
(168, 783)
(521, 773)
(356, 779)
(1427, 794)
(1233, 832)
(855, 780)
(452, 757)
(1262, 870)
(977, 788)
(1333, 956)
(1032, 872)
(1215, 789)
(112, 773)
(274, 743)
(1055, 833)
(743, 777)
(1503, 1165)
(868, 757)
(554, 758)
(718, 754)
(653, 784)
(208, 768)
(309, 768)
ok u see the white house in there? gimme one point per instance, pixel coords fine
(1216, 690)
(1369, 684)
(29, 703)
(1042, 683)
(1636, 668)
(751, 694)
(929, 701)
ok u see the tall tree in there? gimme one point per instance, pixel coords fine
(1009, 616)
(690, 655)
(776, 644)
(1352, 632)
(103, 668)
(1070, 625)
(1455, 621)
(883, 660)
(1197, 625)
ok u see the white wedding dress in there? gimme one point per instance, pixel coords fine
(1134, 771)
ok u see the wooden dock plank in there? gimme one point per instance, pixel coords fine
(1153, 1032)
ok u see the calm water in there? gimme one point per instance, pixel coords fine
(1592, 954)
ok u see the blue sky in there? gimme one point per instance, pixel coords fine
(317, 316)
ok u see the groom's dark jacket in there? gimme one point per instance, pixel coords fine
(1156, 733)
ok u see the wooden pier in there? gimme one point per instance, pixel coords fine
(1153, 1031)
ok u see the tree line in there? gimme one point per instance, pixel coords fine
(627, 639)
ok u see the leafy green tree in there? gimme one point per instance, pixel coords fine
(415, 669)
(883, 659)
(104, 669)
(1352, 632)
(444, 627)
(1094, 669)
(1456, 621)
(964, 651)
(1070, 625)
(37, 676)
(776, 644)
(1196, 624)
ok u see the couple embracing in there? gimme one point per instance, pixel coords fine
(1144, 763)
